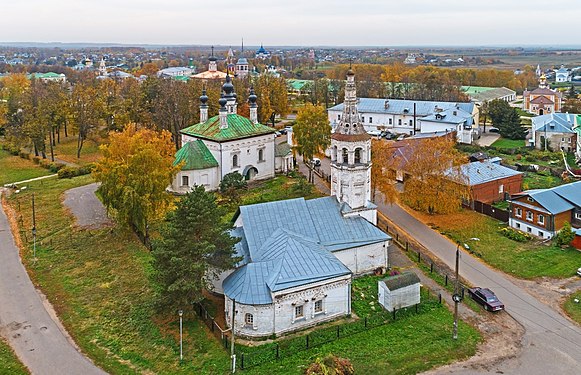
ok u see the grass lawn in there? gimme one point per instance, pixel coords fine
(508, 143)
(413, 343)
(526, 260)
(14, 168)
(9, 364)
(572, 308)
(98, 283)
(532, 180)
(67, 150)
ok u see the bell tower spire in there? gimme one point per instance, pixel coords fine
(351, 158)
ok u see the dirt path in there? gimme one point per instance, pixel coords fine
(87, 209)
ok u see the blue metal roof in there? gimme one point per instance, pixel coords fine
(558, 199)
(481, 172)
(284, 261)
(289, 243)
(554, 123)
(405, 107)
(450, 116)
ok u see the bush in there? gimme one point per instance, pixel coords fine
(70, 172)
(565, 235)
(330, 365)
(13, 150)
(515, 235)
(24, 155)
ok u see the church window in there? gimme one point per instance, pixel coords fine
(399, 121)
(338, 117)
(319, 306)
(249, 319)
(345, 156)
(235, 161)
(411, 122)
(371, 120)
(260, 155)
(390, 122)
(185, 180)
(362, 118)
(357, 155)
(299, 312)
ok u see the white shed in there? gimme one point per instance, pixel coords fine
(397, 292)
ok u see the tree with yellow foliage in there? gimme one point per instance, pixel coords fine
(136, 168)
(436, 184)
(383, 171)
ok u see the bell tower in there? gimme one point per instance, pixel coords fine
(351, 159)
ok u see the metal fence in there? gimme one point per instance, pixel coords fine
(248, 357)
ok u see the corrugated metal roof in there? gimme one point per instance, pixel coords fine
(282, 149)
(480, 172)
(570, 192)
(238, 127)
(195, 155)
(450, 116)
(404, 107)
(551, 201)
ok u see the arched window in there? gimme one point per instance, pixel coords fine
(334, 154)
(235, 161)
(345, 156)
(249, 319)
(357, 155)
(260, 155)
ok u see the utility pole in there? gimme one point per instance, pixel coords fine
(456, 297)
(33, 229)
(181, 314)
(232, 353)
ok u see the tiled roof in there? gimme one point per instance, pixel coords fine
(195, 155)
(481, 172)
(238, 127)
(401, 107)
(542, 100)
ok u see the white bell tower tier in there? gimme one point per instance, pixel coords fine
(351, 159)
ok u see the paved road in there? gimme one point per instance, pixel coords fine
(552, 343)
(30, 330)
(88, 210)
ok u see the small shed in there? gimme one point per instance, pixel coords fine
(397, 292)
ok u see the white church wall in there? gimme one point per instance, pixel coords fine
(364, 259)
(202, 177)
(279, 317)
(247, 151)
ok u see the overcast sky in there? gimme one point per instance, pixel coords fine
(293, 22)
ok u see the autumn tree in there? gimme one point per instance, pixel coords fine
(312, 132)
(385, 164)
(195, 245)
(87, 108)
(435, 183)
(136, 168)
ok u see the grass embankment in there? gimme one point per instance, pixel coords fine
(573, 308)
(408, 345)
(98, 283)
(14, 168)
(9, 364)
(525, 260)
(508, 143)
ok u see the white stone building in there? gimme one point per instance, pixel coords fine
(224, 144)
(562, 75)
(399, 291)
(403, 116)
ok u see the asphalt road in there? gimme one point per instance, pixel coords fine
(88, 210)
(551, 344)
(28, 327)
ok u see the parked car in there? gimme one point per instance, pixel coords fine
(492, 129)
(486, 298)
(277, 133)
(401, 137)
(579, 271)
(386, 134)
(316, 162)
(374, 133)
(283, 131)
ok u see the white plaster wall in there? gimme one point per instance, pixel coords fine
(278, 317)
(202, 177)
(247, 151)
(351, 183)
(530, 229)
(364, 259)
(399, 298)
(216, 283)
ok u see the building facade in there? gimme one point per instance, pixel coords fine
(543, 212)
(555, 131)
(542, 100)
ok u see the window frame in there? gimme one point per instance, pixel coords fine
(532, 216)
(187, 179)
(249, 319)
(320, 310)
(235, 161)
(302, 312)
(541, 219)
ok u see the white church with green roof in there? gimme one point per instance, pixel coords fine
(227, 143)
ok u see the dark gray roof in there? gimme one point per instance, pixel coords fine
(400, 281)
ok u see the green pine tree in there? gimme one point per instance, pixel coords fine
(195, 245)
(510, 126)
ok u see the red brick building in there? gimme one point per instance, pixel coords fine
(491, 182)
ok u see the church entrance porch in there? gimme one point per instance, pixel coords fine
(249, 173)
